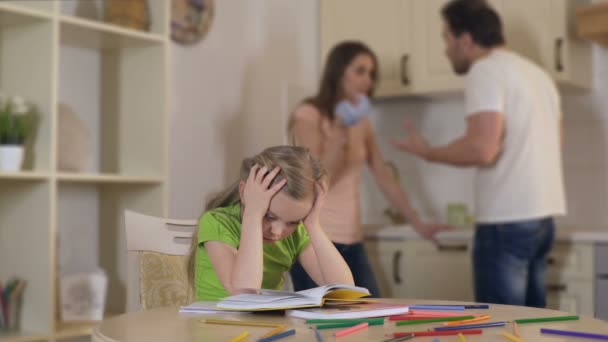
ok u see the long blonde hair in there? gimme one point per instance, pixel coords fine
(298, 167)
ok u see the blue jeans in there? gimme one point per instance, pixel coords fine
(509, 262)
(357, 261)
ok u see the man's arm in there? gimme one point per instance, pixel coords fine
(479, 146)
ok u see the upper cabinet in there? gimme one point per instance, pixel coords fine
(406, 36)
(381, 25)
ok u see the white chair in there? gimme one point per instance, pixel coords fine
(158, 251)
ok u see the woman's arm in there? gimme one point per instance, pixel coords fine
(392, 189)
(244, 268)
(320, 259)
(326, 141)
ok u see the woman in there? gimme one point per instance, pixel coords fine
(332, 125)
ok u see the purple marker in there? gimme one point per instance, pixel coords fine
(573, 334)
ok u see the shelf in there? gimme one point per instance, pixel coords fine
(98, 35)
(77, 329)
(11, 14)
(21, 337)
(107, 178)
(592, 22)
(24, 175)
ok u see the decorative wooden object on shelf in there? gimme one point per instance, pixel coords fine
(128, 13)
(592, 22)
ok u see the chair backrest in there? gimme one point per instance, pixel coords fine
(158, 251)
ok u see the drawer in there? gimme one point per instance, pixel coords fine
(601, 259)
(601, 299)
(574, 296)
(570, 261)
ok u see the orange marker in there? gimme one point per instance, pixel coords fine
(467, 321)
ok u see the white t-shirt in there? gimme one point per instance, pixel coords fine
(526, 182)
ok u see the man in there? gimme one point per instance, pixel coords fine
(513, 138)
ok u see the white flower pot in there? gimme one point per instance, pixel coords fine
(11, 158)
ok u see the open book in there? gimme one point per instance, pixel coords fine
(281, 300)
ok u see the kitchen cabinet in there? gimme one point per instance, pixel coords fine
(406, 36)
(408, 267)
(418, 269)
(383, 26)
(386, 258)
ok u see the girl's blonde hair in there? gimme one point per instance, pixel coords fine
(298, 167)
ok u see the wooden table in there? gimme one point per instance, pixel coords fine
(166, 324)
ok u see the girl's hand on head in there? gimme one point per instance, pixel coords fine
(312, 220)
(258, 193)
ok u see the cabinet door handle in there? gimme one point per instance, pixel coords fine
(405, 79)
(559, 43)
(557, 287)
(452, 248)
(396, 262)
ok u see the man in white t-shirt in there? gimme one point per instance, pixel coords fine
(513, 138)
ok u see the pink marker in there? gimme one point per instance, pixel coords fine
(351, 330)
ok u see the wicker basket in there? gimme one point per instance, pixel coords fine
(128, 13)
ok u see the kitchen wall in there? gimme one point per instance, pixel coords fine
(231, 92)
(432, 186)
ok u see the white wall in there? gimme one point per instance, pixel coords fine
(229, 92)
(432, 186)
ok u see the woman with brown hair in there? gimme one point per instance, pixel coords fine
(333, 125)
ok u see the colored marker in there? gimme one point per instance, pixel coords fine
(240, 337)
(473, 326)
(574, 334)
(546, 319)
(512, 338)
(434, 320)
(278, 336)
(351, 330)
(440, 333)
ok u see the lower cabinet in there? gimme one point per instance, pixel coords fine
(419, 269)
(386, 258)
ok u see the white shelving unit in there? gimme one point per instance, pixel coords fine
(51, 221)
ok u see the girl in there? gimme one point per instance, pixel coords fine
(256, 229)
(332, 124)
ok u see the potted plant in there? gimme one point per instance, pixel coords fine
(16, 123)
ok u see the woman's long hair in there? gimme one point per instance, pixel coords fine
(339, 58)
(298, 167)
(330, 87)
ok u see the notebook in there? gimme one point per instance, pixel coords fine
(341, 311)
(281, 300)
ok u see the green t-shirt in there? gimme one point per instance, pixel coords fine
(224, 225)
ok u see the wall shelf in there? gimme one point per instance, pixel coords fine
(592, 22)
(116, 79)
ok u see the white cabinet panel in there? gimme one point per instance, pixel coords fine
(386, 258)
(382, 26)
(442, 273)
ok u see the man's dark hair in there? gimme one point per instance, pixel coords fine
(475, 17)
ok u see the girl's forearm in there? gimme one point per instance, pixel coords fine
(249, 265)
(333, 267)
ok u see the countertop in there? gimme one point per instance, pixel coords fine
(405, 232)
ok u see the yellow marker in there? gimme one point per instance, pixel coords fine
(240, 337)
(461, 338)
(512, 338)
(247, 323)
(515, 329)
(274, 331)
(468, 321)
